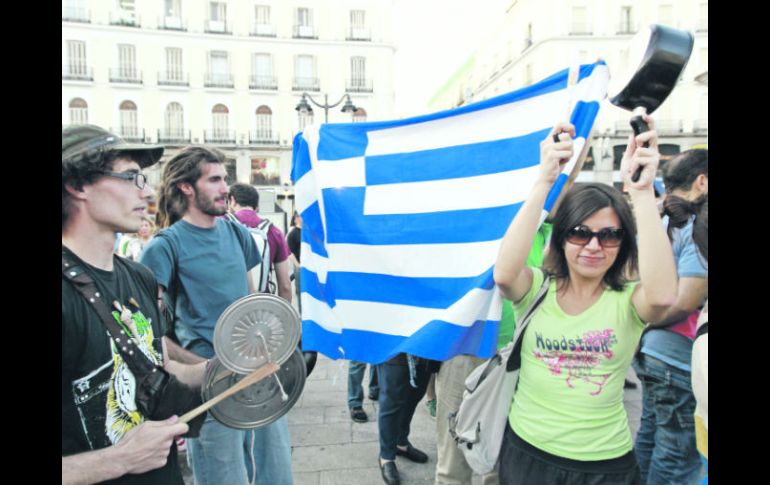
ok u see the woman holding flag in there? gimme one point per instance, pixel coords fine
(567, 423)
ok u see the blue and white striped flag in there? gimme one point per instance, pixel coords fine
(402, 220)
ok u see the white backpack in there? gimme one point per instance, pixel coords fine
(262, 274)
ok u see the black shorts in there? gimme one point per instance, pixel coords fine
(523, 464)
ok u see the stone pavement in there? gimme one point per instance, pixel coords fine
(330, 449)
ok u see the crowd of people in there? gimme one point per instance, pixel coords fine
(626, 280)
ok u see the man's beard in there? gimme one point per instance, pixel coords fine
(207, 206)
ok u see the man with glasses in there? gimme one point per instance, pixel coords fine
(105, 436)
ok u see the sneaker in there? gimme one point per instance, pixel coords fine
(374, 395)
(358, 415)
(629, 385)
(431, 405)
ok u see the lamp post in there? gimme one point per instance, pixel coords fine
(304, 108)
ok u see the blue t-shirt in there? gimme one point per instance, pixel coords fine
(212, 270)
(661, 343)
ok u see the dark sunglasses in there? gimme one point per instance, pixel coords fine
(608, 237)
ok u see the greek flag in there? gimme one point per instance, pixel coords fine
(402, 220)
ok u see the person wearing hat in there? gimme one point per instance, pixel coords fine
(105, 434)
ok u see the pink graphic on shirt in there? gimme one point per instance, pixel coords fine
(580, 356)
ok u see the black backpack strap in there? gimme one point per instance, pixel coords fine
(514, 360)
(84, 283)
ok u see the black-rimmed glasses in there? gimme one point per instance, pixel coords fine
(608, 237)
(139, 179)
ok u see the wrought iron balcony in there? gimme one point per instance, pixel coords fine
(217, 27)
(219, 80)
(263, 30)
(171, 23)
(263, 137)
(305, 32)
(77, 72)
(263, 82)
(174, 136)
(581, 29)
(71, 14)
(130, 133)
(222, 137)
(125, 75)
(359, 86)
(359, 33)
(306, 84)
(700, 126)
(125, 18)
(173, 78)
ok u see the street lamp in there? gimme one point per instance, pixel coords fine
(304, 108)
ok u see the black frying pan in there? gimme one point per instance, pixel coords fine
(661, 54)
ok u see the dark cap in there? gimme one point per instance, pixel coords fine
(85, 140)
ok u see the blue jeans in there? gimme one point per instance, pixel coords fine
(355, 378)
(398, 400)
(222, 455)
(665, 444)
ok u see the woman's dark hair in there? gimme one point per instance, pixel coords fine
(582, 200)
(680, 211)
(294, 219)
(700, 230)
(683, 169)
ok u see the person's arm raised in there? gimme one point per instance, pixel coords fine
(511, 274)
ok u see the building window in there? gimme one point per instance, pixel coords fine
(125, 14)
(579, 21)
(263, 25)
(217, 17)
(172, 8)
(219, 70)
(625, 26)
(127, 61)
(358, 30)
(304, 73)
(265, 171)
(359, 115)
(358, 70)
(76, 58)
(75, 10)
(128, 123)
(303, 23)
(174, 121)
(264, 124)
(219, 120)
(78, 112)
(174, 71)
(262, 71)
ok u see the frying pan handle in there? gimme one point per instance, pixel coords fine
(639, 126)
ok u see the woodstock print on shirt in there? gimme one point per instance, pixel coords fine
(577, 357)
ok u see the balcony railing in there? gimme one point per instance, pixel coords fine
(700, 126)
(173, 79)
(130, 133)
(218, 80)
(125, 75)
(174, 136)
(217, 27)
(225, 137)
(263, 30)
(581, 29)
(125, 18)
(71, 14)
(359, 86)
(625, 28)
(359, 33)
(263, 82)
(306, 84)
(305, 32)
(171, 23)
(669, 127)
(76, 72)
(263, 137)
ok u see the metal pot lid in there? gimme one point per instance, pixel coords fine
(237, 340)
(259, 404)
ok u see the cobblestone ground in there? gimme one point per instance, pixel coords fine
(329, 449)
